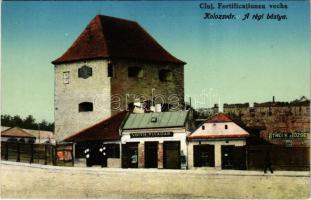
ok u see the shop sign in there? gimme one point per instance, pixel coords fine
(151, 134)
(286, 136)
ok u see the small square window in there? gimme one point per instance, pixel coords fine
(135, 72)
(66, 77)
(165, 75)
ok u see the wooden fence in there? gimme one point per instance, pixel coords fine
(47, 154)
(282, 158)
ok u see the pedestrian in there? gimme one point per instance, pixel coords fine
(268, 163)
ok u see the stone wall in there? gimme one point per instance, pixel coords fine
(270, 117)
(126, 88)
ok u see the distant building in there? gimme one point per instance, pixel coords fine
(28, 135)
(219, 143)
(17, 135)
(111, 64)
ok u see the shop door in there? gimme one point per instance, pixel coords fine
(130, 155)
(95, 156)
(203, 155)
(151, 154)
(171, 154)
(227, 156)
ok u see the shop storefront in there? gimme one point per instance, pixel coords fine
(218, 143)
(155, 140)
(100, 143)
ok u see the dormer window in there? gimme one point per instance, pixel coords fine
(154, 119)
(86, 107)
(85, 72)
(135, 72)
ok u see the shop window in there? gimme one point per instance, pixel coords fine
(135, 72)
(85, 107)
(110, 70)
(66, 77)
(165, 75)
(203, 127)
(85, 72)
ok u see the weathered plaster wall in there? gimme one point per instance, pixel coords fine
(219, 128)
(95, 89)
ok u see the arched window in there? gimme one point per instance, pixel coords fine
(85, 72)
(86, 107)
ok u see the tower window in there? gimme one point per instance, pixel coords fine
(203, 127)
(85, 107)
(226, 126)
(165, 75)
(136, 72)
(110, 70)
(85, 72)
(66, 77)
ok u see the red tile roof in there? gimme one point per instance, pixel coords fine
(110, 37)
(108, 129)
(220, 117)
(16, 132)
(217, 136)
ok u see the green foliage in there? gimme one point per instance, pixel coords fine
(28, 123)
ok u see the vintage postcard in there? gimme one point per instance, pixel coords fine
(155, 99)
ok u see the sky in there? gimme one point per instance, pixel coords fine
(228, 61)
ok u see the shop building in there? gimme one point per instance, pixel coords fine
(155, 140)
(218, 143)
(99, 144)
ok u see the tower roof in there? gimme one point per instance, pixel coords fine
(110, 37)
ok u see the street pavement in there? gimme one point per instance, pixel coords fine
(22, 180)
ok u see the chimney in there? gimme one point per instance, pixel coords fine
(273, 99)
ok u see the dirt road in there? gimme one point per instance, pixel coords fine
(60, 182)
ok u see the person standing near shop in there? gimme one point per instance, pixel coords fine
(268, 163)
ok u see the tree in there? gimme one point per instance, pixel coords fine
(30, 122)
(17, 121)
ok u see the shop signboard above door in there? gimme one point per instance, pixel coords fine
(151, 134)
(289, 135)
